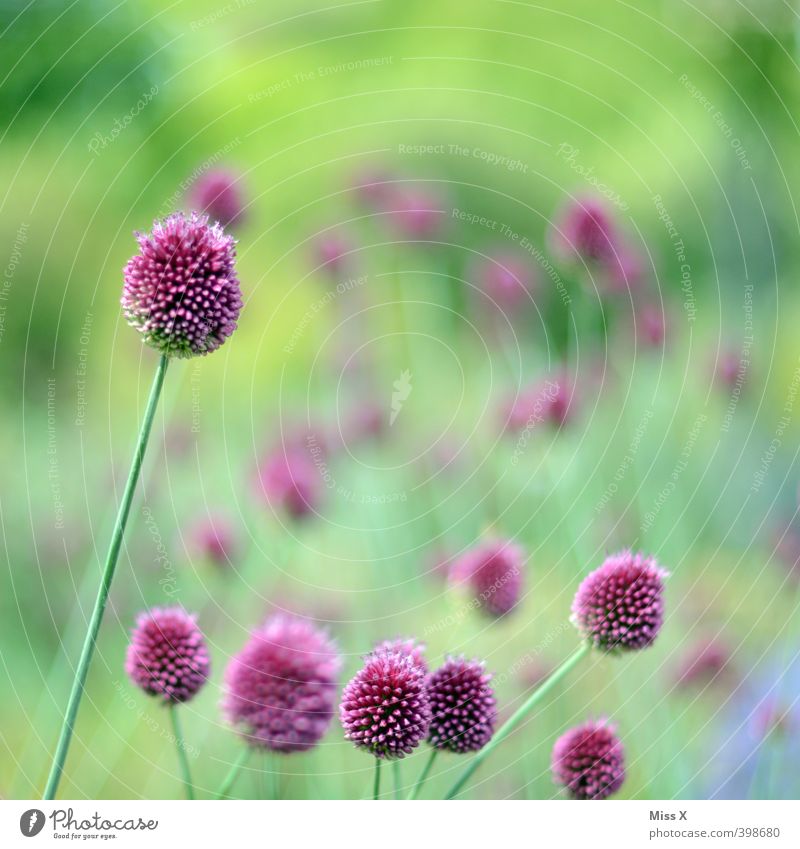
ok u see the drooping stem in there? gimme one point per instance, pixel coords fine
(90, 641)
(424, 774)
(233, 773)
(182, 759)
(376, 787)
(516, 718)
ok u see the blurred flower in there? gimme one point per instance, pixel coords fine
(181, 292)
(532, 671)
(584, 229)
(651, 328)
(366, 420)
(493, 573)
(620, 606)
(218, 193)
(385, 707)
(332, 252)
(551, 401)
(415, 213)
(167, 655)
(407, 646)
(289, 480)
(589, 761)
(213, 538)
(623, 272)
(703, 663)
(373, 187)
(463, 706)
(506, 279)
(731, 370)
(280, 690)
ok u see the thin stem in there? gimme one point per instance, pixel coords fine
(182, 759)
(424, 774)
(514, 720)
(376, 787)
(90, 641)
(397, 778)
(233, 773)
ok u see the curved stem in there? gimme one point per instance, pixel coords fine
(514, 720)
(376, 787)
(424, 774)
(90, 641)
(182, 759)
(233, 773)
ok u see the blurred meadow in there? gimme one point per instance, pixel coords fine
(369, 329)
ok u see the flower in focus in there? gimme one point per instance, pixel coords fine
(408, 646)
(213, 538)
(620, 606)
(385, 707)
(280, 690)
(463, 706)
(218, 194)
(589, 761)
(181, 291)
(167, 655)
(492, 572)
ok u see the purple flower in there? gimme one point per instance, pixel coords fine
(407, 646)
(212, 538)
(620, 606)
(280, 690)
(415, 213)
(167, 655)
(332, 252)
(731, 370)
(506, 279)
(463, 706)
(289, 480)
(704, 662)
(493, 573)
(585, 230)
(218, 194)
(385, 707)
(651, 325)
(181, 291)
(589, 761)
(551, 400)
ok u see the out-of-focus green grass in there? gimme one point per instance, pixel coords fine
(503, 77)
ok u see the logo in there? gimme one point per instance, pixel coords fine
(31, 822)
(402, 389)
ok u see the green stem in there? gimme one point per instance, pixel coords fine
(233, 773)
(376, 787)
(182, 759)
(423, 775)
(397, 778)
(513, 721)
(89, 643)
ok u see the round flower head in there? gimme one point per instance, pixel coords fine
(181, 291)
(551, 400)
(506, 279)
(415, 213)
(332, 252)
(584, 229)
(167, 656)
(463, 706)
(731, 370)
(385, 707)
(651, 325)
(409, 647)
(620, 606)
(218, 193)
(280, 690)
(589, 761)
(288, 479)
(493, 573)
(212, 538)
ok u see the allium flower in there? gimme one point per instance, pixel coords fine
(703, 662)
(552, 401)
(415, 213)
(651, 327)
(332, 252)
(385, 707)
(620, 606)
(463, 706)
(589, 761)
(493, 573)
(280, 690)
(289, 480)
(218, 193)
(408, 646)
(167, 656)
(181, 291)
(731, 370)
(506, 279)
(213, 538)
(585, 229)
